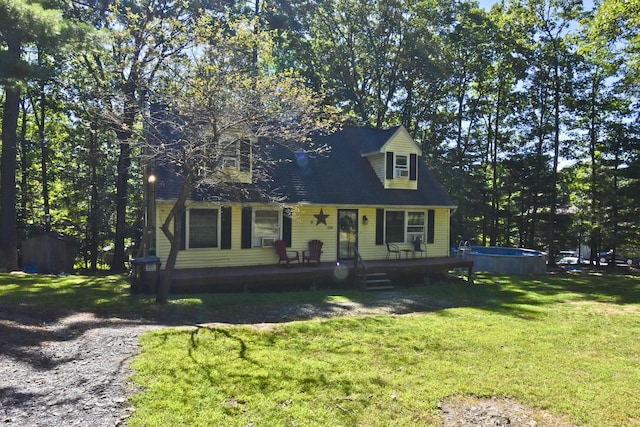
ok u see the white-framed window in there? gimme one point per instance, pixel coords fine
(407, 226)
(230, 154)
(415, 226)
(203, 228)
(401, 165)
(230, 163)
(266, 227)
(234, 155)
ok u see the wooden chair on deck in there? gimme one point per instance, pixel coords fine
(314, 252)
(285, 255)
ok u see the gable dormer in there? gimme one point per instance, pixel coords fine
(234, 158)
(394, 157)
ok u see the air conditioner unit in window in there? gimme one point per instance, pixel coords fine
(268, 242)
(402, 173)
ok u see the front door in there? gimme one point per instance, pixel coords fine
(347, 233)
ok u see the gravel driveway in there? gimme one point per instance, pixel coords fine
(68, 373)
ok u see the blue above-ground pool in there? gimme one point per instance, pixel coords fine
(498, 259)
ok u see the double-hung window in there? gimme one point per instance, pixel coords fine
(235, 155)
(415, 226)
(408, 226)
(266, 227)
(230, 163)
(394, 226)
(203, 228)
(401, 165)
(231, 155)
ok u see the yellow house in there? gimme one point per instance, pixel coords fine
(369, 188)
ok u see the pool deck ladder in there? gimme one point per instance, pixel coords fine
(463, 247)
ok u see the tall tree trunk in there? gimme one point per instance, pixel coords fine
(44, 159)
(494, 166)
(39, 114)
(540, 166)
(594, 259)
(39, 105)
(8, 165)
(124, 134)
(174, 236)
(615, 200)
(485, 189)
(94, 204)
(122, 190)
(407, 108)
(24, 169)
(556, 155)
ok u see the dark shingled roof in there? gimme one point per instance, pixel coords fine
(339, 176)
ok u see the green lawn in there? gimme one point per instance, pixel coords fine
(567, 343)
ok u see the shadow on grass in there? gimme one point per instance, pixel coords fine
(36, 309)
(31, 306)
(524, 296)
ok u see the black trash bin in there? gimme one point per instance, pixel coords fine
(145, 275)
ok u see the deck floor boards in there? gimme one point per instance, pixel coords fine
(218, 279)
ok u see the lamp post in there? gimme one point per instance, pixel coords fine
(151, 215)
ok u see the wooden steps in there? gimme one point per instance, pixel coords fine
(374, 282)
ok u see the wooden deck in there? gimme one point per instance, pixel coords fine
(299, 276)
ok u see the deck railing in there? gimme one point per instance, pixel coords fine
(358, 263)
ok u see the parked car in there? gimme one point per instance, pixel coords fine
(568, 260)
(607, 257)
(560, 256)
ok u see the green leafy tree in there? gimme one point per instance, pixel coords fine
(498, 98)
(555, 19)
(598, 102)
(617, 23)
(354, 51)
(45, 128)
(141, 37)
(22, 24)
(226, 93)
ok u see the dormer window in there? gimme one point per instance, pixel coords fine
(401, 166)
(234, 160)
(230, 152)
(230, 163)
(394, 158)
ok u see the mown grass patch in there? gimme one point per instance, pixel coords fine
(109, 295)
(563, 343)
(99, 294)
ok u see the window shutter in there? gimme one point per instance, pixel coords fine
(413, 167)
(245, 237)
(183, 229)
(225, 225)
(431, 224)
(390, 165)
(245, 155)
(286, 226)
(379, 226)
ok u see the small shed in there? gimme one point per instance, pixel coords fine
(49, 253)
